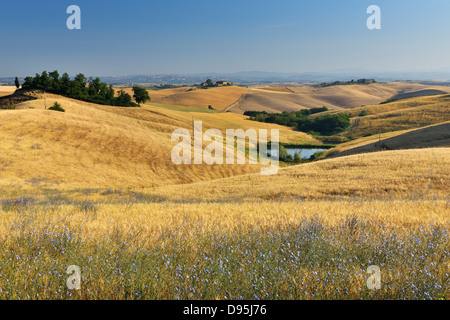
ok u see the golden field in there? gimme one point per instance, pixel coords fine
(6, 90)
(405, 114)
(340, 97)
(402, 188)
(110, 146)
(233, 239)
(279, 99)
(219, 98)
(95, 187)
(437, 135)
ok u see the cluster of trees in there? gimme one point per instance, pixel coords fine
(325, 125)
(335, 83)
(343, 83)
(167, 86)
(304, 112)
(90, 90)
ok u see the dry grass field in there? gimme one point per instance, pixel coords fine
(405, 114)
(219, 98)
(334, 97)
(6, 90)
(95, 187)
(367, 176)
(279, 99)
(427, 137)
(110, 146)
(157, 94)
(308, 233)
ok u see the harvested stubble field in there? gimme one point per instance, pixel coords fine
(339, 97)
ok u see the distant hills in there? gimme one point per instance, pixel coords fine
(260, 77)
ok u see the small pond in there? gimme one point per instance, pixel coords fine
(304, 153)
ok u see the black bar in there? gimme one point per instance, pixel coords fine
(226, 309)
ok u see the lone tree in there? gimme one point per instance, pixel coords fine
(17, 83)
(140, 95)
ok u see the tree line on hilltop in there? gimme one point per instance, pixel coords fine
(81, 88)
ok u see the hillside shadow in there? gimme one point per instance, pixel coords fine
(14, 99)
(420, 93)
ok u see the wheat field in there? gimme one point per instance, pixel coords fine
(300, 235)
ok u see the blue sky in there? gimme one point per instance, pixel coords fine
(196, 36)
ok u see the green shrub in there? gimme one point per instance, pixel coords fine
(57, 107)
(297, 158)
(364, 113)
(317, 155)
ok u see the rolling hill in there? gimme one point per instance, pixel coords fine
(219, 98)
(95, 185)
(397, 173)
(93, 145)
(340, 97)
(428, 137)
(102, 146)
(280, 99)
(411, 113)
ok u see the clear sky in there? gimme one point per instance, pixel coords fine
(180, 36)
